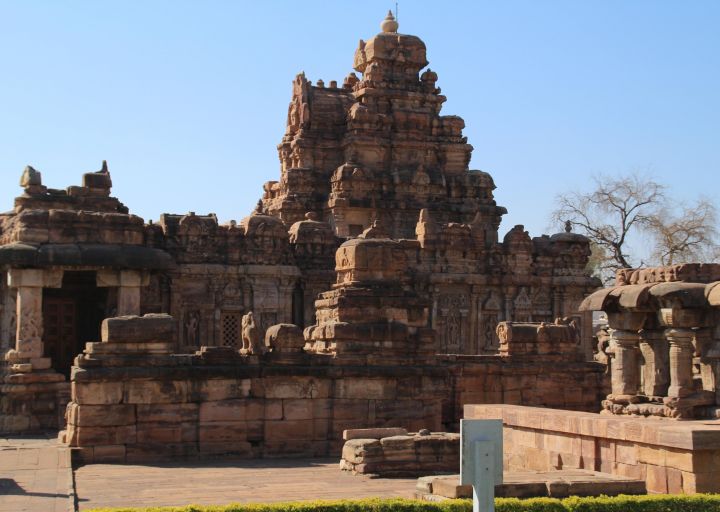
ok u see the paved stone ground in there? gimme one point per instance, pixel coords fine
(223, 482)
(35, 475)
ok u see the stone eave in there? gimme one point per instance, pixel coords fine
(84, 255)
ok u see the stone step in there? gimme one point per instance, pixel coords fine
(526, 484)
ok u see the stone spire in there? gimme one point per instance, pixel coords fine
(389, 24)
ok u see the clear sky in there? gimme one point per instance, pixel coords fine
(187, 100)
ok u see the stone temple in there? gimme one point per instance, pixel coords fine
(364, 290)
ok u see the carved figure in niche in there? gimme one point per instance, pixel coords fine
(251, 335)
(452, 307)
(293, 117)
(453, 328)
(489, 324)
(192, 328)
(490, 320)
(523, 306)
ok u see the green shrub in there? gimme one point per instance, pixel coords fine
(651, 503)
(655, 503)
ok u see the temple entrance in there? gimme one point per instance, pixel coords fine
(71, 317)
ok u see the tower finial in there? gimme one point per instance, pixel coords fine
(389, 24)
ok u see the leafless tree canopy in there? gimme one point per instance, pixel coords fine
(619, 208)
(687, 235)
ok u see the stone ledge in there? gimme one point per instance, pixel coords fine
(688, 435)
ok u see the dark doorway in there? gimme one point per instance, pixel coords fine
(71, 317)
(298, 306)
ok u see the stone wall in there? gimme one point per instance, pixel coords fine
(574, 386)
(671, 457)
(134, 400)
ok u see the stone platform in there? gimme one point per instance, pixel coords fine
(530, 484)
(670, 456)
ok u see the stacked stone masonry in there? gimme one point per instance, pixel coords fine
(393, 452)
(376, 215)
(671, 457)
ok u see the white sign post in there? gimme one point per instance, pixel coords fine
(481, 460)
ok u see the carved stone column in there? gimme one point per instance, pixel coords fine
(656, 372)
(708, 349)
(29, 319)
(624, 371)
(28, 338)
(681, 360)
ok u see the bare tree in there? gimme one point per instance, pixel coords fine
(619, 209)
(610, 214)
(687, 236)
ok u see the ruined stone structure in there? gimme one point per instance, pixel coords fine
(664, 345)
(394, 452)
(664, 356)
(376, 215)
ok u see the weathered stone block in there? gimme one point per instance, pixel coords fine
(138, 329)
(222, 431)
(284, 338)
(218, 389)
(97, 393)
(93, 436)
(159, 433)
(296, 387)
(167, 413)
(114, 453)
(100, 415)
(373, 433)
(224, 410)
(366, 388)
(289, 429)
(155, 392)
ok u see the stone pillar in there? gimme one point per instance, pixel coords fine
(6, 308)
(28, 338)
(129, 283)
(509, 297)
(656, 372)
(557, 302)
(624, 371)
(129, 292)
(681, 361)
(707, 348)
(29, 319)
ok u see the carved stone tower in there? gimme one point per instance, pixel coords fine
(377, 149)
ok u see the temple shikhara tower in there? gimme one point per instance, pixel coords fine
(371, 276)
(376, 153)
(376, 148)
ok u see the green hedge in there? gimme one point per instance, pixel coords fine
(656, 503)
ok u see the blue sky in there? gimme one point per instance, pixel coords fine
(187, 100)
